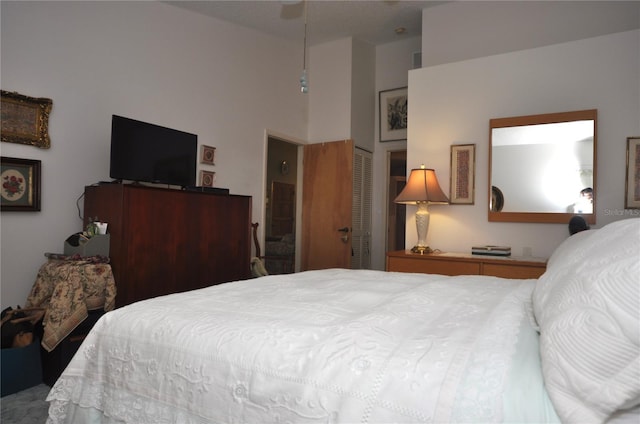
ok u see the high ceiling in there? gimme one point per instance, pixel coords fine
(373, 21)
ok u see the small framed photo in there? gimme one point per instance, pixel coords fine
(20, 190)
(463, 168)
(393, 114)
(207, 178)
(632, 184)
(25, 120)
(208, 155)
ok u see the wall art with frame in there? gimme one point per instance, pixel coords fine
(20, 184)
(208, 155)
(632, 184)
(393, 114)
(25, 120)
(463, 168)
(207, 178)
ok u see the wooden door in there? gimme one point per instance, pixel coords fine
(326, 205)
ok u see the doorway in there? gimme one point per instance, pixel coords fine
(280, 206)
(396, 213)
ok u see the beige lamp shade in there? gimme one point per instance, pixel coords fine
(422, 186)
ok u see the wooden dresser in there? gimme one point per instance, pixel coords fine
(466, 264)
(166, 241)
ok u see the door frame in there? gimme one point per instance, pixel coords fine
(263, 190)
(388, 201)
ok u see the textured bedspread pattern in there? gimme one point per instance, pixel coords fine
(321, 346)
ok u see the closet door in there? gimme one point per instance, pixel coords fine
(361, 209)
(326, 205)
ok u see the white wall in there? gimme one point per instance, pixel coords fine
(145, 60)
(462, 30)
(393, 62)
(363, 95)
(453, 103)
(330, 98)
(341, 92)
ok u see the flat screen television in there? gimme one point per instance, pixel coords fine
(144, 152)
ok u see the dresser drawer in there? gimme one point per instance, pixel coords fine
(465, 264)
(513, 271)
(427, 266)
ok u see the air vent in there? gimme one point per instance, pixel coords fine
(416, 60)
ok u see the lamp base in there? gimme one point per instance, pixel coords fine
(421, 249)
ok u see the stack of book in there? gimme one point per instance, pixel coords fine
(491, 250)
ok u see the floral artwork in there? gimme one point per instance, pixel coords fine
(12, 184)
(20, 184)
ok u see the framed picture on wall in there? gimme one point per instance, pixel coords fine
(208, 155)
(207, 178)
(25, 120)
(463, 168)
(632, 185)
(393, 114)
(20, 189)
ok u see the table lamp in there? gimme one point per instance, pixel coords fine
(422, 189)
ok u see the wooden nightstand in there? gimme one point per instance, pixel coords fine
(466, 264)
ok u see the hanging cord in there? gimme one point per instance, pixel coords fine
(304, 51)
(304, 85)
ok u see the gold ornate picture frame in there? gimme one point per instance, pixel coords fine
(463, 168)
(19, 184)
(632, 184)
(25, 120)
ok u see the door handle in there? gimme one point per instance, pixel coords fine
(345, 235)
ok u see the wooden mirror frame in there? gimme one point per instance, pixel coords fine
(543, 217)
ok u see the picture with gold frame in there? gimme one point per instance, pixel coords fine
(19, 184)
(463, 168)
(632, 184)
(25, 120)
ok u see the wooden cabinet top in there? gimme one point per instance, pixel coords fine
(118, 187)
(466, 263)
(468, 257)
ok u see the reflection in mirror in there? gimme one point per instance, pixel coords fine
(542, 167)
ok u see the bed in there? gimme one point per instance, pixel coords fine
(346, 346)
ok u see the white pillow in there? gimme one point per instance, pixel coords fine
(564, 254)
(587, 305)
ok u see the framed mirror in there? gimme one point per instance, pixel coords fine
(542, 168)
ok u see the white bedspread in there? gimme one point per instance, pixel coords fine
(321, 346)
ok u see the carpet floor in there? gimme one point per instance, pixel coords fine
(26, 407)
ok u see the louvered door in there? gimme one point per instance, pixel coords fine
(361, 210)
